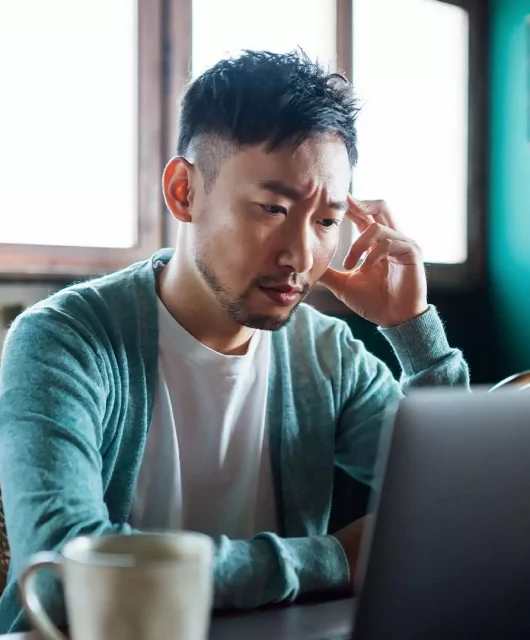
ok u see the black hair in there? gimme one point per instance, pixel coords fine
(263, 97)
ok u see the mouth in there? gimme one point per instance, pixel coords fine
(282, 295)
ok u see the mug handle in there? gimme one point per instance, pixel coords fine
(30, 599)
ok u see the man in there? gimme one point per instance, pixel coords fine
(193, 390)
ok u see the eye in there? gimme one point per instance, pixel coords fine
(329, 223)
(274, 209)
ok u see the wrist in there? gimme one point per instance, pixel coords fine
(419, 344)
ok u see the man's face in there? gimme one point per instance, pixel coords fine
(267, 229)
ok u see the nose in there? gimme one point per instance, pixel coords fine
(296, 248)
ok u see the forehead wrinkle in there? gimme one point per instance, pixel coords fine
(295, 194)
(304, 171)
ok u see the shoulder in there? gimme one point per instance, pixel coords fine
(83, 314)
(91, 300)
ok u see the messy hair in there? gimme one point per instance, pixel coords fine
(263, 97)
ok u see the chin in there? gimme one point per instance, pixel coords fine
(266, 322)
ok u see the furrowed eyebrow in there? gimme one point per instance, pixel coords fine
(339, 205)
(280, 188)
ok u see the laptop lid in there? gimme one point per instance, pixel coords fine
(449, 554)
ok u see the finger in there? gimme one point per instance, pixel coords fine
(361, 222)
(377, 210)
(374, 233)
(380, 212)
(360, 246)
(400, 250)
(335, 281)
(378, 253)
(357, 214)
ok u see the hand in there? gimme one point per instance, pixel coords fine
(350, 539)
(389, 287)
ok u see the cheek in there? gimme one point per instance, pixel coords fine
(214, 227)
(239, 239)
(323, 254)
(220, 221)
(230, 247)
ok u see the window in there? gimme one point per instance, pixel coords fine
(80, 127)
(275, 25)
(91, 116)
(410, 70)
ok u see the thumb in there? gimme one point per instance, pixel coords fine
(335, 281)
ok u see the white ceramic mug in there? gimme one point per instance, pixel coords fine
(135, 587)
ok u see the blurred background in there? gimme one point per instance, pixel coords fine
(89, 117)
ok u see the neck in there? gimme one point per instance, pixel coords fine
(193, 305)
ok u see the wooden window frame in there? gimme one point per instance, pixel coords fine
(45, 261)
(178, 48)
(472, 273)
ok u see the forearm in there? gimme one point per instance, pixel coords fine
(268, 569)
(426, 360)
(247, 573)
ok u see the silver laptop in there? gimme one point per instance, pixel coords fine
(449, 555)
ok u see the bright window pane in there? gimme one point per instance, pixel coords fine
(68, 122)
(222, 27)
(411, 74)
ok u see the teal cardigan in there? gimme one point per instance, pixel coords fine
(77, 384)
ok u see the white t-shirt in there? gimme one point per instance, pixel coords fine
(206, 465)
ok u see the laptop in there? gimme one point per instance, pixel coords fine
(448, 556)
(449, 553)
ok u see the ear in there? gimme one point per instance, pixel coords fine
(177, 190)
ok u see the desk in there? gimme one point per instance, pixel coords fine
(296, 622)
